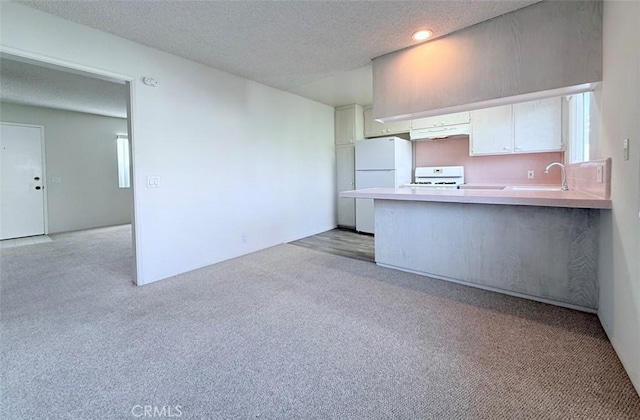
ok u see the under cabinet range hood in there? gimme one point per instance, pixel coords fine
(439, 132)
(456, 124)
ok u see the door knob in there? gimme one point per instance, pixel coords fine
(38, 187)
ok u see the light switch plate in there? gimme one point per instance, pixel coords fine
(625, 149)
(153, 181)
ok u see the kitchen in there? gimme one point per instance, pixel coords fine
(502, 176)
(507, 155)
(479, 142)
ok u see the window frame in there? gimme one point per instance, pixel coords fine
(123, 153)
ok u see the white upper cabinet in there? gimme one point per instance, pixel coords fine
(491, 131)
(440, 121)
(526, 127)
(537, 125)
(374, 128)
(349, 125)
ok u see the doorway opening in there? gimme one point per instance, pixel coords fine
(66, 158)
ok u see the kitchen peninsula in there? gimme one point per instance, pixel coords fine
(540, 243)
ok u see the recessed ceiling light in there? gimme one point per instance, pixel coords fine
(421, 35)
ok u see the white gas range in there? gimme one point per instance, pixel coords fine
(438, 177)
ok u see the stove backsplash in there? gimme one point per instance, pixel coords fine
(505, 169)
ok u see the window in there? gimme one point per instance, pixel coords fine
(124, 169)
(579, 127)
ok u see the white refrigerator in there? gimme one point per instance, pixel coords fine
(380, 163)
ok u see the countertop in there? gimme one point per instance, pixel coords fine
(510, 195)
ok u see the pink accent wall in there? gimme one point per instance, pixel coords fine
(584, 176)
(501, 169)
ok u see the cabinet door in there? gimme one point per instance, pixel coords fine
(537, 126)
(398, 127)
(344, 125)
(374, 128)
(491, 131)
(345, 168)
(441, 120)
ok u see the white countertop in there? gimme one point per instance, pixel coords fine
(507, 196)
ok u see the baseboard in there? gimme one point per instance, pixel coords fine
(495, 289)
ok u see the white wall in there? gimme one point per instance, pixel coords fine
(619, 271)
(80, 149)
(234, 157)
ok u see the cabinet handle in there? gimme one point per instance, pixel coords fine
(506, 148)
(435, 130)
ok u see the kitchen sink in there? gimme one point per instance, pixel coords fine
(534, 188)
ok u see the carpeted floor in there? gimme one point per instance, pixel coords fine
(286, 333)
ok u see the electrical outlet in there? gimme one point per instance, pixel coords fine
(243, 238)
(599, 176)
(625, 149)
(531, 174)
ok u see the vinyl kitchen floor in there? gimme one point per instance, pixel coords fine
(341, 242)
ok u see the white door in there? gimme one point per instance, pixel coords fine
(21, 183)
(345, 164)
(364, 207)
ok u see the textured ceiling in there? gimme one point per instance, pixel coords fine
(28, 84)
(306, 47)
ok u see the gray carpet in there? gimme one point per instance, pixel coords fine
(287, 333)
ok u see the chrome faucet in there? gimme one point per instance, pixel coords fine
(564, 174)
